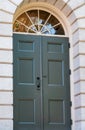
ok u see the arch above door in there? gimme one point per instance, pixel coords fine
(48, 8)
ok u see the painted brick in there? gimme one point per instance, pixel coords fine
(7, 6)
(76, 50)
(5, 17)
(65, 1)
(80, 23)
(6, 43)
(82, 47)
(78, 126)
(31, 1)
(83, 125)
(6, 56)
(82, 73)
(42, 1)
(6, 112)
(77, 101)
(80, 114)
(17, 1)
(51, 1)
(79, 49)
(6, 84)
(83, 102)
(76, 62)
(80, 12)
(66, 10)
(79, 35)
(74, 26)
(71, 18)
(79, 61)
(79, 87)
(59, 4)
(6, 70)
(80, 101)
(6, 29)
(6, 98)
(75, 3)
(77, 75)
(6, 124)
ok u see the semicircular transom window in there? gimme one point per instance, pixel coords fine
(38, 22)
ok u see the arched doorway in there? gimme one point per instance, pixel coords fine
(41, 72)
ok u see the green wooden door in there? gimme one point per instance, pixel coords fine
(41, 83)
(56, 87)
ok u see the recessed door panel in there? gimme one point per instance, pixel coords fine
(55, 69)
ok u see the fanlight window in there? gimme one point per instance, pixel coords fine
(39, 22)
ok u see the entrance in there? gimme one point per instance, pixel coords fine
(41, 83)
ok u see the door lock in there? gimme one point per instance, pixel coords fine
(38, 83)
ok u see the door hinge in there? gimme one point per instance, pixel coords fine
(69, 71)
(69, 45)
(71, 122)
(70, 103)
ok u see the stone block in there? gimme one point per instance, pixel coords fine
(6, 98)
(6, 43)
(6, 29)
(5, 17)
(7, 6)
(6, 56)
(6, 70)
(6, 84)
(6, 112)
(6, 124)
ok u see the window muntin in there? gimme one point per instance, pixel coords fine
(39, 22)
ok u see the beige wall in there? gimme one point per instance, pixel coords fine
(73, 12)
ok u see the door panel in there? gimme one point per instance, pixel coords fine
(56, 83)
(43, 62)
(27, 99)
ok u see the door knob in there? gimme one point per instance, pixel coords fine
(38, 83)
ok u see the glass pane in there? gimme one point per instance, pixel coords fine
(43, 17)
(19, 25)
(33, 15)
(39, 22)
